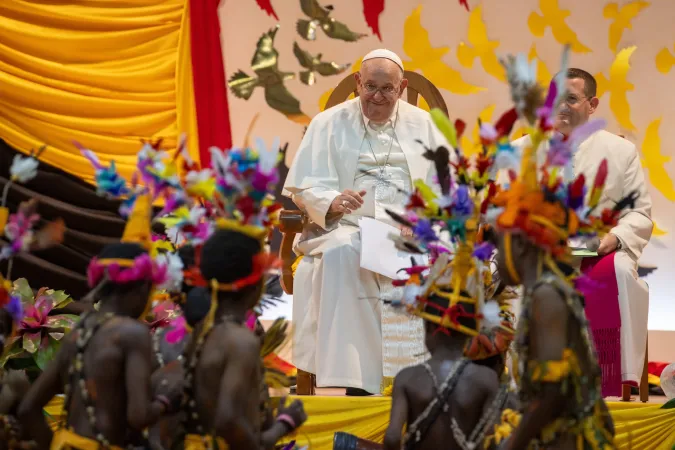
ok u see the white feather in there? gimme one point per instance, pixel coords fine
(174, 272)
(491, 317)
(23, 168)
(267, 157)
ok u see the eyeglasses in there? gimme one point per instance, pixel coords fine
(387, 90)
(572, 99)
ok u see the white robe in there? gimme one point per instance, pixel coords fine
(633, 230)
(338, 313)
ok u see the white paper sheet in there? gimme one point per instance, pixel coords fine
(378, 252)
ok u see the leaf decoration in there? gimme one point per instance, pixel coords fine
(31, 342)
(266, 5)
(61, 299)
(24, 290)
(57, 336)
(371, 11)
(13, 353)
(46, 353)
(62, 321)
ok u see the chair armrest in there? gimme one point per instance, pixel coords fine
(292, 221)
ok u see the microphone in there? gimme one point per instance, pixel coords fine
(593, 244)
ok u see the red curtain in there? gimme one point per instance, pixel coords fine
(208, 77)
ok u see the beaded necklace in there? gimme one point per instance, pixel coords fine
(421, 425)
(528, 391)
(189, 404)
(77, 376)
(487, 419)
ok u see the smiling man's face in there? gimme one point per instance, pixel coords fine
(380, 84)
(576, 107)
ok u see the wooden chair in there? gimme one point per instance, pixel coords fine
(293, 221)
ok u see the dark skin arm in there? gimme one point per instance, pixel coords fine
(488, 380)
(278, 429)
(238, 389)
(30, 413)
(137, 344)
(399, 411)
(548, 337)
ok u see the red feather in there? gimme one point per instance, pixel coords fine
(464, 4)
(372, 10)
(266, 5)
(460, 126)
(505, 122)
(601, 175)
(576, 189)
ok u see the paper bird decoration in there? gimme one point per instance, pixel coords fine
(644, 271)
(665, 60)
(544, 76)
(617, 86)
(480, 46)
(268, 76)
(622, 19)
(323, 99)
(372, 9)
(657, 231)
(266, 5)
(464, 4)
(320, 17)
(427, 59)
(313, 64)
(654, 161)
(554, 17)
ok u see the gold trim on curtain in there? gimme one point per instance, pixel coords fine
(102, 73)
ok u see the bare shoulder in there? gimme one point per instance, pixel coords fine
(131, 331)
(238, 339)
(482, 377)
(408, 375)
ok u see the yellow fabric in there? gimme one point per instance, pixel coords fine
(102, 73)
(638, 426)
(510, 421)
(197, 442)
(653, 379)
(137, 229)
(554, 371)
(295, 265)
(4, 217)
(67, 440)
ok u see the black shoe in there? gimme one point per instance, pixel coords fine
(356, 392)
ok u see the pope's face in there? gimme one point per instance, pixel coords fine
(380, 84)
(576, 107)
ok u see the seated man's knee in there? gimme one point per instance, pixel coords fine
(341, 247)
(625, 267)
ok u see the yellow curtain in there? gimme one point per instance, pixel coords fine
(638, 426)
(102, 73)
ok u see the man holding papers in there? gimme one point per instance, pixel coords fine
(631, 235)
(353, 162)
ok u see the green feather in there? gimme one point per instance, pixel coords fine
(444, 125)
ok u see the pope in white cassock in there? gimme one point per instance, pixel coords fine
(634, 229)
(350, 163)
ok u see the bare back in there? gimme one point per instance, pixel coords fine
(476, 386)
(104, 369)
(222, 348)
